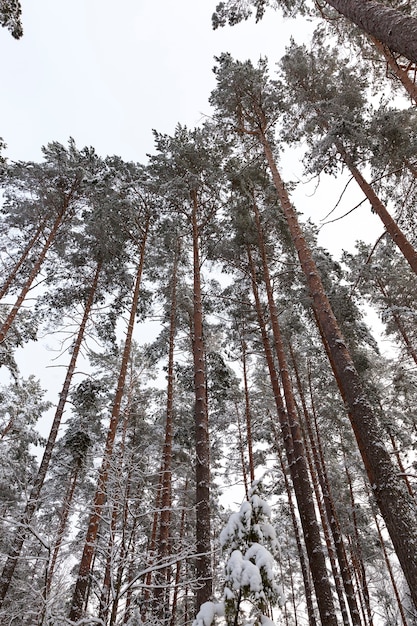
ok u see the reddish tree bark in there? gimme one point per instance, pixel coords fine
(396, 506)
(296, 458)
(166, 478)
(399, 72)
(391, 226)
(81, 585)
(202, 442)
(389, 568)
(320, 464)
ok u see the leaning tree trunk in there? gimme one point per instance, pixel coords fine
(84, 571)
(35, 271)
(31, 506)
(292, 438)
(395, 29)
(391, 226)
(22, 259)
(399, 72)
(397, 320)
(202, 443)
(397, 508)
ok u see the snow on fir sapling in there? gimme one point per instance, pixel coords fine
(251, 587)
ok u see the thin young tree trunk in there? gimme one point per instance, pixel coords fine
(301, 555)
(395, 29)
(325, 524)
(389, 568)
(403, 77)
(126, 496)
(401, 465)
(358, 561)
(151, 551)
(178, 566)
(398, 322)
(11, 562)
(104, 601)
(332, 516)
(242, 452)
(295, 452)
(166, 491)
(62, 526)
(202, 443)
(35, 270)
(83, 577)
(248, 412)
(130, 574)
(22, 259)
(396, 506)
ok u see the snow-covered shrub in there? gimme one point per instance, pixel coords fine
(251, 588)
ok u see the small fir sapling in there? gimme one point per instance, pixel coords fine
(250, 588)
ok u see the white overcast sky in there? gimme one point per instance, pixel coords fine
(107, 73)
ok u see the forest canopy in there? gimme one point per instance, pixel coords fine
(215, 350)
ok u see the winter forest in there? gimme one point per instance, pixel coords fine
(254, 463)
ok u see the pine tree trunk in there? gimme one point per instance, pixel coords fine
(62, 526)
(22, 259)
(83, 577)
(247, 412)
(178, 566)
(35, 270)
(403, 77)
(104, 603)
(296, 459)
(325, 524)
(32, 503)
(395, 29)
(202, 443)
(301, 555)
(392, 228)
(151, 552)
(328, 499)
(389, 568)
(396, 506)
(166, 491)
(242, 451)
(398, 322)
(123, 548)
(356, 550)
